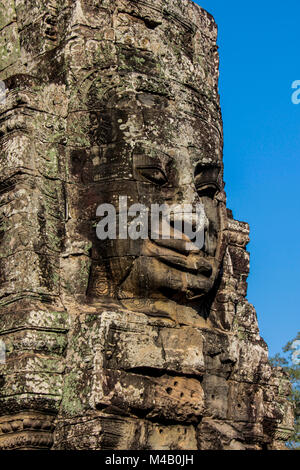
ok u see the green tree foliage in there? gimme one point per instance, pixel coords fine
(290, 362)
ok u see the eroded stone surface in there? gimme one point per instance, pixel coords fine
(122, 344)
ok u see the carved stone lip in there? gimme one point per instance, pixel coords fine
(184, 260)
(180, 247)
(184, 265)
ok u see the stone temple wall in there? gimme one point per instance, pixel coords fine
(122, 345)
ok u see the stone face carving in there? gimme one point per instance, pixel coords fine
(122, 344)
(145, 157)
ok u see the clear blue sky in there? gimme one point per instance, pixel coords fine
(259, 45)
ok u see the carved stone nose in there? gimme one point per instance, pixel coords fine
(190, 223)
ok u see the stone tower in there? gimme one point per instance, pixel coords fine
(122, 344)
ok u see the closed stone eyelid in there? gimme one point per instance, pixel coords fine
(209, 189)
(153, 168)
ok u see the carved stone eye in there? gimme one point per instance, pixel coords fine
(154, 175)
(207, 190)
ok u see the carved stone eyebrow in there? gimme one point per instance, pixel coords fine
(155, 160)
(201, 168)
(207, 172)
